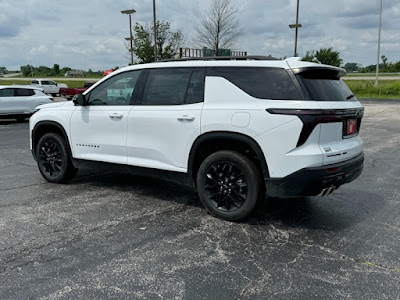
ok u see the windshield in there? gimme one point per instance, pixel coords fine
(325, 86)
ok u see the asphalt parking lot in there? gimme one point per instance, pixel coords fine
(116, 236)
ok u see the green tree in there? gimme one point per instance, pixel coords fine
(324, 56)
(168, 42)
(328, 57)
(310, 56)
(27, 70)
(384, 60)
(351, 67)
(56, 69)
(3, 70)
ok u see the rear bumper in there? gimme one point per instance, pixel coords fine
(311, 181)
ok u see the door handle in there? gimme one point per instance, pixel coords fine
(186, 118)
(116, 116)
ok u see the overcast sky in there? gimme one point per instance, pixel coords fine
(45, 32)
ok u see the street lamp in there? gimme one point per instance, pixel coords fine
(296, 26)
(130, 38)
(379, 47)
(155, 30)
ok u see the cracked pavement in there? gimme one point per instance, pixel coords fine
(109, 235)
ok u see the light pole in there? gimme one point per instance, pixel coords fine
(130, 38)
(84, 61)
(379, 47)
(296, 26)
(155, 30)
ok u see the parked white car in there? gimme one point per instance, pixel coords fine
(48, 86)
(20, 102)
(239, 128)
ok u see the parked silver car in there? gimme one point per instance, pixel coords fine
(20, 102)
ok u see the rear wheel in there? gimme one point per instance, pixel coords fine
(229, 185)
(54, 159)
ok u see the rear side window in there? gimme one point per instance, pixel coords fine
(166, 86)
(259, 82)
(325, 85)
(45, 82)
(24, 92)
(6, 92)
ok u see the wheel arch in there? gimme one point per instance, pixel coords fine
(210, 142)
(43, 127)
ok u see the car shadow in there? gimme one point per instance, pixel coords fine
(171, 187)
(341, 210)
(12, 121)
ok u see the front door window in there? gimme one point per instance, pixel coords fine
(117, 90)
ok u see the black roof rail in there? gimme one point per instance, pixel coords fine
(248, 57)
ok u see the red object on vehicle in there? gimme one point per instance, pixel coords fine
(69, 93)
(106, 72)
(351, 126)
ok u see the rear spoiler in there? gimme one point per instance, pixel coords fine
(320, 71)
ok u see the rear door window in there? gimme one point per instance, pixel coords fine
(325, 85)
(24, 92)
(166, 86)
(260, 82)
(195, 92)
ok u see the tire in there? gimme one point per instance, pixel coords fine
(54, 159)
(54, 95)
(229, 185)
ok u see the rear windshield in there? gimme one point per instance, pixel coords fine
(325, 86)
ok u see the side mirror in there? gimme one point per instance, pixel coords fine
(80, 100)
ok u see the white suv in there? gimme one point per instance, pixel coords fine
(20, 101)
(240, 128)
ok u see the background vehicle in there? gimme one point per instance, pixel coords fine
(240, 128)
(69, 93)
(20, 102)
(107, 72)
(48, 86)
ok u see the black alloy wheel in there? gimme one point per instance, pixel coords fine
(226, 186)
(50, 158)
(54, 159)
(229, 185)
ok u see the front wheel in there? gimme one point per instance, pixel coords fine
(229, 185)
(54, 159)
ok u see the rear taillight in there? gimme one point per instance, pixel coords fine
(351, 126)
(312, 117)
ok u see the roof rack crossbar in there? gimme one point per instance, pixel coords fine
(248, 57)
